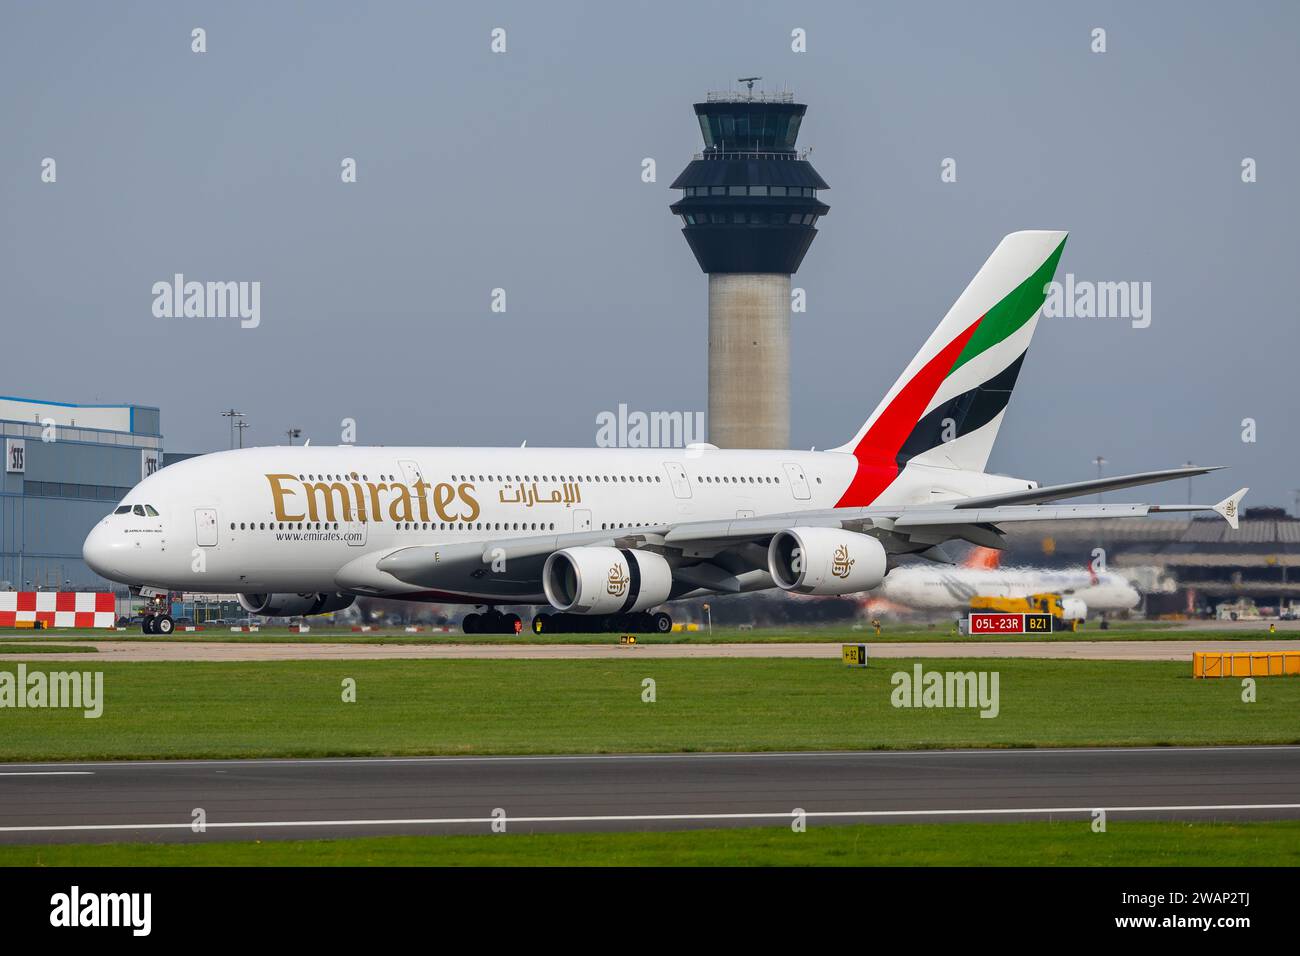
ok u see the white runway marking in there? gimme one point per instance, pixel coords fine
(47, 773)
(652, 817)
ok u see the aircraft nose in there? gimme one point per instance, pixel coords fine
(103, 551)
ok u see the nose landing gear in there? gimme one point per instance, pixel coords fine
(155, 618)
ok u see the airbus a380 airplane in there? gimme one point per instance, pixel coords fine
(605, 536)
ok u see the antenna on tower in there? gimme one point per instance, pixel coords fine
(749, 81)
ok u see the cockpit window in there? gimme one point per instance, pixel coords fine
(122, 510)
(138, 510)
(149, 510)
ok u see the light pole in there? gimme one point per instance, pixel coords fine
(293, 433)
(233, 416)
(1099, 461)
(709, 611)
(241, 425)
(1188, 464)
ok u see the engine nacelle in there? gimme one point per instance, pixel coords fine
(825, 561)
(606, 580)
(294, 605)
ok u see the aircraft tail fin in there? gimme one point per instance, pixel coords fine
(946, 407)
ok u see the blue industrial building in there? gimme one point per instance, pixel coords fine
(66, 466)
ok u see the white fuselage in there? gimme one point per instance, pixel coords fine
(280, 519)
(951, 589)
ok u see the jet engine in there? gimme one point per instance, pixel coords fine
(825, 561)
(294, 605)
(606, 580)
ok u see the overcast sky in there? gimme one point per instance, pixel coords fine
(522, 171)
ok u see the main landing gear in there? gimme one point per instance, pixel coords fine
(157, 624)
(492, 621)
(644, 622)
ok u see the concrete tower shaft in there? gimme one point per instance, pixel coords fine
(749, 207)
(749, 360)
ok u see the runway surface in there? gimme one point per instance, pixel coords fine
(109, 651)
(285, 799)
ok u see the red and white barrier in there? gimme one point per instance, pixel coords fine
(58, 608)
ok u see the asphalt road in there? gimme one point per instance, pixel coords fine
(282, 799)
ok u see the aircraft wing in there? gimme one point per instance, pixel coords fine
(901, 529)
(1075, 489)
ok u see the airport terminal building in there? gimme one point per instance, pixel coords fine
(66, 466)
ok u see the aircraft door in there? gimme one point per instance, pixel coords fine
(410, 472)
(205, 527)
(798, 481)
(677, 475)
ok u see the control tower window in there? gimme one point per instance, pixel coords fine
(778, 190)
(758, 190)
(735, 190)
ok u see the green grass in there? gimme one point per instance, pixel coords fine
(951, 844)
(1134, 631)
(48, 649)
(292, 708)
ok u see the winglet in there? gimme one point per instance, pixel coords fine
(1230, 507)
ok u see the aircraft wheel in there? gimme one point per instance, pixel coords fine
(470, 623)
(146, 625)
(164, 625)
(661, 623)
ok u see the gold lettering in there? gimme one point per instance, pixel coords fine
(402, 501)
(466, 497)
(361, 501)
(327, 490)
(421, 487)
(278, 493)
(442, 495)
(376, 508)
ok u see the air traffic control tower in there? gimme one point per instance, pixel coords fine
(749, 204)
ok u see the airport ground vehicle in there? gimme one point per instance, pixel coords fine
(1067, 613)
